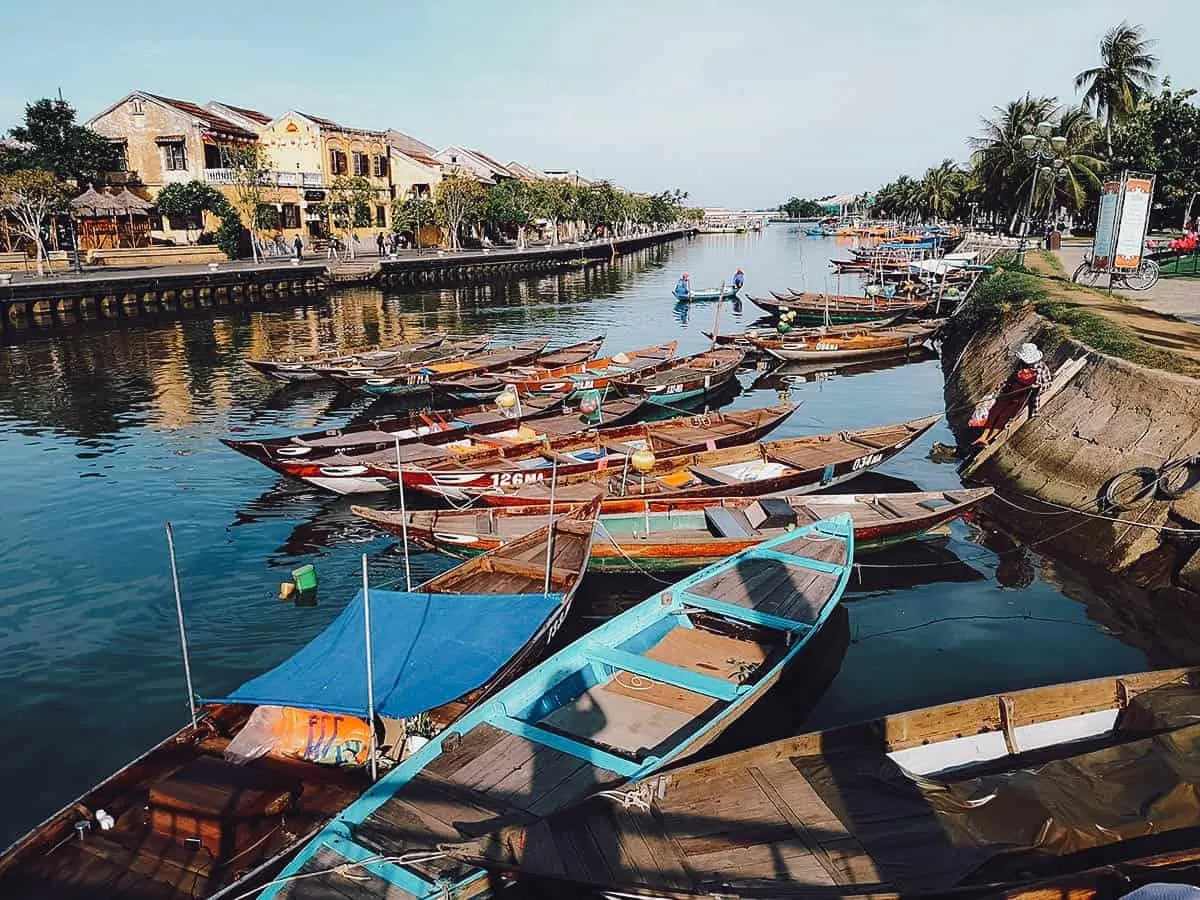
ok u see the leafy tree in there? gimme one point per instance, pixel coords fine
(1163, 136)
(458, 201)
(601, 204)
(1002, 169)
(185, 201)
(1082, 164)
(940, 190)
(555, 201)
(349, 205)
(1123, 79)
(253, 194)
(31, 197)
(409, 214)
(796, 208)
(511, 203)
(50, 140)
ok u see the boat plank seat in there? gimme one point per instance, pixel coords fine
(222, 805)
(728, 523)
(573, 526)
(530, 570)
(712, 476)
(806, 459)
(873, 443)
(888, 506)
(620, 718)
(786, 592)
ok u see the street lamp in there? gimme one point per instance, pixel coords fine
(1039, 145)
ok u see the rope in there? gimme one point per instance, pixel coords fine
(612, 540)
(347, 870)
(1026, 616)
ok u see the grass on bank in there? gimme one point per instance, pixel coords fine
(1011, 288)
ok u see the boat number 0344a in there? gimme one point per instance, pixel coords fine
(503, 479)
(863, 461)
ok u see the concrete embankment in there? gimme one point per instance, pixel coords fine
(1112, 417)
(154, 290)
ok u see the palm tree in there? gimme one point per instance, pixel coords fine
(1081, 163)
(1002, 171)
(941, 189)
(1124, 78)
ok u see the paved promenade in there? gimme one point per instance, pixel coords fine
(1179, 297)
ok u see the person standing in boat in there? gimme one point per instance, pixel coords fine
(683, 287)
(739, 278)
(1026, 385)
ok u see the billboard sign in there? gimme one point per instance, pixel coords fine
(1106, 226)
(1132, 222)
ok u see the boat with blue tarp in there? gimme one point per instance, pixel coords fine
(647, 688)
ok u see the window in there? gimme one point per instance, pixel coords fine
(380, 217)
(190, 222)
(381, 167)
(120, 156)
(175, 156)
(289, 216)
(337, 162)
(135, 106)
(361, 164)
(212, 157)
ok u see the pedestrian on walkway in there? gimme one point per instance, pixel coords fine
(331, 252)
(299, 244)
(379, 240)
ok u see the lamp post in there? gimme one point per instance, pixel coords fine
(1038, 144)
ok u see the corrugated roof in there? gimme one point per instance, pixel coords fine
(207, 116)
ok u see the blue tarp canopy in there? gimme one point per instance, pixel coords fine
(428, 649)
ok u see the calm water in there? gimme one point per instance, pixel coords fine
(104, 435)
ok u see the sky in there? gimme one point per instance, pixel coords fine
(741, 103)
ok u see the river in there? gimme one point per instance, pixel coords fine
(110, 431)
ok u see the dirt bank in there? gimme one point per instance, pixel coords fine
(1115, 415)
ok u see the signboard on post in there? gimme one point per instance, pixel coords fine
(1133, 221)
(1121, 223)
(1106, 226)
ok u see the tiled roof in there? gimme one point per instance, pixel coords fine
(499, 167)
(252, 114)
(409, 145)
(207, 116)
(327, 123)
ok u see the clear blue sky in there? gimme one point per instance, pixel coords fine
(739, 102)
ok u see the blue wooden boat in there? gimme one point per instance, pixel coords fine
(726, 293)
(650, 686)
(688, 378)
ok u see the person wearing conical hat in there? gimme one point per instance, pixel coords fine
(1026, 386)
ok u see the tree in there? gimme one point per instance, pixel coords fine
(796, 208)
(349, 205)
(186, 201)
(940, 190)
(410, 214)
(50, 140)
(1163, 137)
(31, 197)
(511, 203)
(1002, 170)
(250, 169)
(458, 200)
(601, 204)
(554, 201)
(1081, 161)
(1123, 79)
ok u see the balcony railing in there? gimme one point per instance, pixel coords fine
(277, 179)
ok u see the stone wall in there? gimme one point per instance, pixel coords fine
(1112, 417)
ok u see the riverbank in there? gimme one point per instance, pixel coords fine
(130, 293)
(1115, 415)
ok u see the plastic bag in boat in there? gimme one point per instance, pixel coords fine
(983, 409)
(317, 737)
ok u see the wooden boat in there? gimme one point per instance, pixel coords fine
(487, 385)
(637, 535)
(415, 379)
(726, 293)
(596, 374)
(897, 339)
(188, 823)
(750, 340)
(840, 310)
(307, 366)
(796, 465)
(645, 689)
(538, 416)
(984, 797)
(457, 472)
(689, 378)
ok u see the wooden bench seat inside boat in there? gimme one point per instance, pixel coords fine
(712, 476)
(727, 523)
(817, 457)
(222, 805)
(787, 591)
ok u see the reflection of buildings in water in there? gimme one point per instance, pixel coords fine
(788, 375)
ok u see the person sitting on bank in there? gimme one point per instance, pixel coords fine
(683, 287)
(1026, 386)
(739, 278)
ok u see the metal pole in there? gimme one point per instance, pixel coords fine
(550, 535)
(403, 519)
(717, 315)
(370, 668)
(187, 667)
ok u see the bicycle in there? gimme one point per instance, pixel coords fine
(1141, 279)
(1170, 481)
